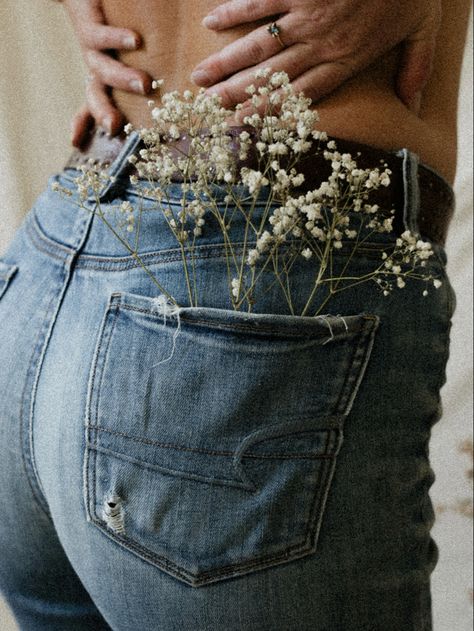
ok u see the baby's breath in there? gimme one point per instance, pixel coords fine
(316, 228)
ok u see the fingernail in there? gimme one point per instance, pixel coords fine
(210, 21)
(137, 86)
(200, 77)
(130, 41)
(107, 124)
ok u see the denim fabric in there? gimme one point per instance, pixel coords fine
(209, 469)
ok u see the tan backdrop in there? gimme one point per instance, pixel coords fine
(41, 82)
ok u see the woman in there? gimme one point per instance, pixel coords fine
(147, 519)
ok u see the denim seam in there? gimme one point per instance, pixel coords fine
(358, 365)
(35, 230)
(59, 251)
(37, 238)
(98, 369)
(6, 279)
(243, 327)
(41, 243)
(46, 332)
(44, 339)
(88, 411)
(289, 553)
(117, 264)
(214, 452)
(179, 473)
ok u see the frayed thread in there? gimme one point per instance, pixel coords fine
(166, 308)
(326, 320)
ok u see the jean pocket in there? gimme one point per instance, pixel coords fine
(212, 435)
(7, 271)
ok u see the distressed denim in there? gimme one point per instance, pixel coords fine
(207, 469)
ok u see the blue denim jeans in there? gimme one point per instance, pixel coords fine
(211, 470)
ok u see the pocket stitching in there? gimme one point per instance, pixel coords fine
(239, 326)
(292, 552)
(321, 490)
(90, 489)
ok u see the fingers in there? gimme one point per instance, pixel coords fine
(89, 23)
(415, 70)
(102, 108)
(250, 50)
(80, 126)
(417, 60)
(237, 12)
(116, 74)
(321, 80)
(101, 37)
(293, 61)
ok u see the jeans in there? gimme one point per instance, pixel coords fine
(208, 469)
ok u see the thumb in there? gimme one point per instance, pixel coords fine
(417, 63)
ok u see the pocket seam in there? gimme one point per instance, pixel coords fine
(292, 552)
(116, 298)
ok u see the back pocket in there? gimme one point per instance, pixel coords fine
(212, 437)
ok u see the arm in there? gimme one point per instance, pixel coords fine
(97, 41)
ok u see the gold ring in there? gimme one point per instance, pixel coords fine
(275, 31)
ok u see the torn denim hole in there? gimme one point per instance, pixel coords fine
(166, 308)
(113, 513)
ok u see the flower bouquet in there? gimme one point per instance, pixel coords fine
(313, 227)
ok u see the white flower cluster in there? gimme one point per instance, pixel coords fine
(93, 179)
(409, 250)
(281, 129)
(201, 121)
(127, 209)
(323, 214)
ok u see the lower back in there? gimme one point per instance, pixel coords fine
(365, 109)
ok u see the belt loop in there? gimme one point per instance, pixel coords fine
(411, 190)
(118, 166)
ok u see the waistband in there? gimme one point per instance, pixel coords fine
(424, 202)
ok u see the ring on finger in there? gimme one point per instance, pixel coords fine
(275, 31)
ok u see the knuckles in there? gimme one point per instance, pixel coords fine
(257, 52)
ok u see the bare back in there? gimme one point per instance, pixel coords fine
(365, 109)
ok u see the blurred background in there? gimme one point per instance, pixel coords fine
(41, 86)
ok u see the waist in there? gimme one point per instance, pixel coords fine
(422, 199)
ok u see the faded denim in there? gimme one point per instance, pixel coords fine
(219, 471)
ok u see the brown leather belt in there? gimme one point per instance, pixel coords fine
(436, 198)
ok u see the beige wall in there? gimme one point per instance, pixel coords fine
(40, 88)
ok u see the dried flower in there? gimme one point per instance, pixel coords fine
(313, 226)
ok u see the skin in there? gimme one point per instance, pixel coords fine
(326, 43)
(366, 108)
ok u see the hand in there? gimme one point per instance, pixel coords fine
(325, 43)
(97, 40)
